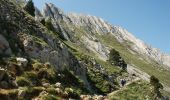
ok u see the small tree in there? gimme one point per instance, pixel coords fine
(49, 25)
(42, 21)
(157, 86)
(29, 7)
(116, 59)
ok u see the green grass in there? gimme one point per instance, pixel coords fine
(81, 53)
(135, 91)
(50, 97)
(22, 81)
(149, 67)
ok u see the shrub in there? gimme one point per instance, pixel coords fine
(50, 97)
(22, 81)
(116, 59)
(42, 73)
(49, 25)
(37, 66)
(33, 77)
(29, 7)
(42, 21)
(157, 86)
(72, 93)
(32, 92)
(51, 90)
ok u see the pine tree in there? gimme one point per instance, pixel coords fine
(116, 59)
(29, 7)
(42, 21)
(156, 85)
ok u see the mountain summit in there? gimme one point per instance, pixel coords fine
(95, 25)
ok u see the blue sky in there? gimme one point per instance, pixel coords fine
(149, 20)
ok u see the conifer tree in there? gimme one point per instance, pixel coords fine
(29, 7)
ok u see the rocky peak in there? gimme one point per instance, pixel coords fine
(37, 13)
(50, 10)
(97, 25)
(140, 47)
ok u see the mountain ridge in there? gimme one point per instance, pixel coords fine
(98, 25)
(58, 56)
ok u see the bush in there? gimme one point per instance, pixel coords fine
(50, 97)
(32, 92)
(51, 90)
(37, 66)
(29, 7)
(49, 25)
(22, 81)
(42, 73)
(32, 77)
(72, 93)
(42, 21)
(157, 86)
(116, 59)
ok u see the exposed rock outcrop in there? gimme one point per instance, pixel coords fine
(95, 25)
(22, 62)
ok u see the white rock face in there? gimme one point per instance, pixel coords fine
(132, 70)
(96, 47)
(95, 25)
(140, 47)
(22, 61)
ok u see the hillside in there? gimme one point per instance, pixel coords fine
(78, 57)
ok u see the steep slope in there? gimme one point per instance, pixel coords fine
(36, 63)
(97, 25)
(98, 37)
(70, 62)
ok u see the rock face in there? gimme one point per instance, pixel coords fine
(142, 48)
(94, 25)
(134, 71)
(4, 46)
(35, 41)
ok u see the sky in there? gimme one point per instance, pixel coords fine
(148, 20)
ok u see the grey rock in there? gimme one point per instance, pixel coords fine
(22, 61)
(58, 85)
(21, 94)
(97, 25)
(46, 85)
(4, 46)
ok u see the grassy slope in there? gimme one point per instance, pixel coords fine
(135, 91)
(151, 68)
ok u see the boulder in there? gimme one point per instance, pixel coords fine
(86, 97)
(58, 85)
(59, 91)
(46, 85)
(98, 97)
(21, 94)
(22, 61)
